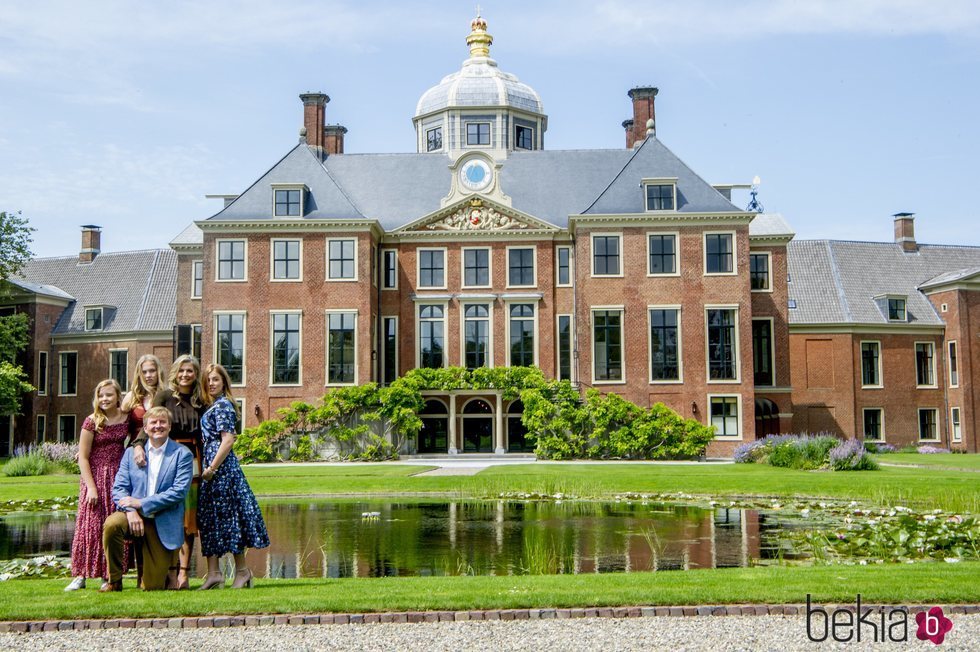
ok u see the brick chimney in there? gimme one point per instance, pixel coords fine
(314, 108)
(905, 232)
(643, 110)
(334, 139)
(91, 243)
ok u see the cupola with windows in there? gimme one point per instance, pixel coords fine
(480, 106)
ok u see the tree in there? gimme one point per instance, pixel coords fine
(15, 243)
(15, 251)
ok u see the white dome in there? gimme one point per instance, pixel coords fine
(479, 83)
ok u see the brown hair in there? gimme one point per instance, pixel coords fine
(98, 416)
(137, 388)
(199, 396)
(226, 385)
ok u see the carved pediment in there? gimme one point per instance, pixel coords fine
(476, 214)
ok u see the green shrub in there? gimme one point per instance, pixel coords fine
(303, 451)
(29, 462)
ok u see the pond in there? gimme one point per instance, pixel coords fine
(371, 538)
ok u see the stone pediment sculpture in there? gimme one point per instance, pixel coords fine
(475, 215)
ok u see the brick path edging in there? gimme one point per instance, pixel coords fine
(443, 616)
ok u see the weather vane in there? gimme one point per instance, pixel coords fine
(755, 205)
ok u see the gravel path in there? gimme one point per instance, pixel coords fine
(778, 633)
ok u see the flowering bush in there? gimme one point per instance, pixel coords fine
(27, 461)
(804, 452)
(879, 448)
(931, 450)
(851, 455)
(64, 454)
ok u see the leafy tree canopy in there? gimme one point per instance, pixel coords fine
(15, 243)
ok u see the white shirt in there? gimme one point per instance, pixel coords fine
(154, 458)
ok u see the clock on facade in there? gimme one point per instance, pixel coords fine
(475, 174)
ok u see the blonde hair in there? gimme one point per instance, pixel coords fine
(137, 388)
(157, 412)
(98, 416)
(225, 381)
(199, 397)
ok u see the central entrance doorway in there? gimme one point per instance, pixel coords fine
(477, 427)
(433, 437)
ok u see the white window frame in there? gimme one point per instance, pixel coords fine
(40, 433)
(880, 372)
(101, 327)
(772, 350)
(918, 423)
(418, 329)
(571, 346)
(217, 258)
(955, 424)
(442, 138)
(738, 346)
(301, 187)
(905, 311)
(619, 238)
(864, 410)
(466, 133)
(462, 268)
(75, 431)
(384, 269)
(445, 268)
(704, 253)
(935, 377)
(768, 255)
(621, 309)
(272, 261)
(537, 331)
(197, 272)
(272, 347)
(533, 139)
(677, 255)
(126, 375)
(60, 385)
(951, 347)
(398, 334)
(740, 417)
(326, 353)
(42, 389)
(571, 266)
(666, 181)
(534, 268)
(200, 329)
(357, 260)
(680, 345)
(240, 401)
(462, 329)
(214, 340)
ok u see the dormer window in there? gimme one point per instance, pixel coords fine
(523, 137)
(433, 139)
(896, 309)
(478, 133)
(288, 199)
(661, 194)
(93, 319)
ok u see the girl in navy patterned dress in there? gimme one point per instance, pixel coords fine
(228, 516)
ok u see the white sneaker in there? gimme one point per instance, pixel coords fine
(77, 583)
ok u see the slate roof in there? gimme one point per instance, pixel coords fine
(770, 225)
(397, 189)
(141, 285)
(836, 282)
(192, 235)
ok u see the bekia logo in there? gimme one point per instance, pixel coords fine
(879, 624)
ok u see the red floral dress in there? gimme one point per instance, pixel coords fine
(87, 558)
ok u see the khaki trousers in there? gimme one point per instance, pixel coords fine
(157, 560)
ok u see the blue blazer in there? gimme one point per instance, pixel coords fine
(166, 506)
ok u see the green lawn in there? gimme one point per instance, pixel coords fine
(894, 584)
(944, 460)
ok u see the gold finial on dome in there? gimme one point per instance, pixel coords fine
(478, 40)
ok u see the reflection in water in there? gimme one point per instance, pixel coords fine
(375, 539)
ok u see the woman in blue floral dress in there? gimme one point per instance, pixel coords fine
(228, 516)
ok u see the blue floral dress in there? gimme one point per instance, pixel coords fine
(227, 514)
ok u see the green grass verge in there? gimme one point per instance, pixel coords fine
(969, 461)
(893, 584)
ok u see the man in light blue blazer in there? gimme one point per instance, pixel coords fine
(151, 505)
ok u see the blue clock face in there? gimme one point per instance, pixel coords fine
(475, 174)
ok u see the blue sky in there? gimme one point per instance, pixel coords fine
(125, 114)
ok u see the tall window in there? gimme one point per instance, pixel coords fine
(40, 428)
(954, 424)
(341, 348)
(196, 330)
(285, 260)
(718, 253)
(870, 364)
(520, 267)
(607, 337)
(432, 268)
(564, 265)
(69, 373)
(872, 423)
(230, 344)
(231, 260)
(722, 346)
(433, 139)
(476, 335)
(724, 416)
(66, 427)
(564, 347)
(197, 279)
(663, 254)
(925, 364)
(119, 366)
(954, 374)
(521, 335)
(285, 348)
(342, 259)
(523, 137)
(896, 309)
(660, 197)
(287, 203)
(759, 271)
(389, 327)
(664, 350)
(42, 373)
(476, 267)
(477, 133)
(93, 319)
(762, 352)
(389, 266)
(432, 336)
(928, 423)
(605, 255)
